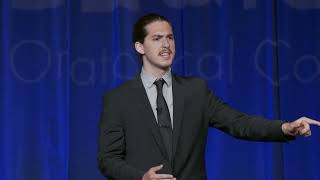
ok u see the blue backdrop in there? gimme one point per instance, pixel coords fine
(59, 56)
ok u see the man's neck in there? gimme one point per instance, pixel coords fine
(158, 73)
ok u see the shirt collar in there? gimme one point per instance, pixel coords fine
(148, 79)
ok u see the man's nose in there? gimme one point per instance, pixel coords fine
(165, 42)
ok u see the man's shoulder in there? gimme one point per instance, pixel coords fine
(190, 80)
(123, 89)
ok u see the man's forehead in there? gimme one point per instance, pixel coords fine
(159, 28)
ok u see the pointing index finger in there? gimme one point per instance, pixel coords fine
(311, 121)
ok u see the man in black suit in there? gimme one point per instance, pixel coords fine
(155, 126)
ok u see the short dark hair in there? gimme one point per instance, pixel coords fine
(139, 28)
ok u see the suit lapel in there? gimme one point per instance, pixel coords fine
(143, 103)
(178, 108)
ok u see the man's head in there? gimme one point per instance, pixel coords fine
(154, 41)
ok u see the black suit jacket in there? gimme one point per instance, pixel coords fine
(130, 142)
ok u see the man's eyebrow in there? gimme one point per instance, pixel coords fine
(157, 35)
(161, 35)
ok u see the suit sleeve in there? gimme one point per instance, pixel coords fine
(241, 125)
(111, 145)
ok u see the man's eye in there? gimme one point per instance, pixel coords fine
(156, 39)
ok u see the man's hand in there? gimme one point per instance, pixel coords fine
(300, 126)
(152, 175)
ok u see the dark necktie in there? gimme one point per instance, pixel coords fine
(164, 120)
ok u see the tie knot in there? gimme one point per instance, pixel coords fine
(159, 83)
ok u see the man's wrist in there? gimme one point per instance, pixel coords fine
(284, 128)
(285, 131)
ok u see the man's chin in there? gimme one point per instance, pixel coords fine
(165, 66)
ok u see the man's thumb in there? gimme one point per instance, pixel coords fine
(156, 168)
(297, 125)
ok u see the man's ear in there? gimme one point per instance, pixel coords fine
(139, 47)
